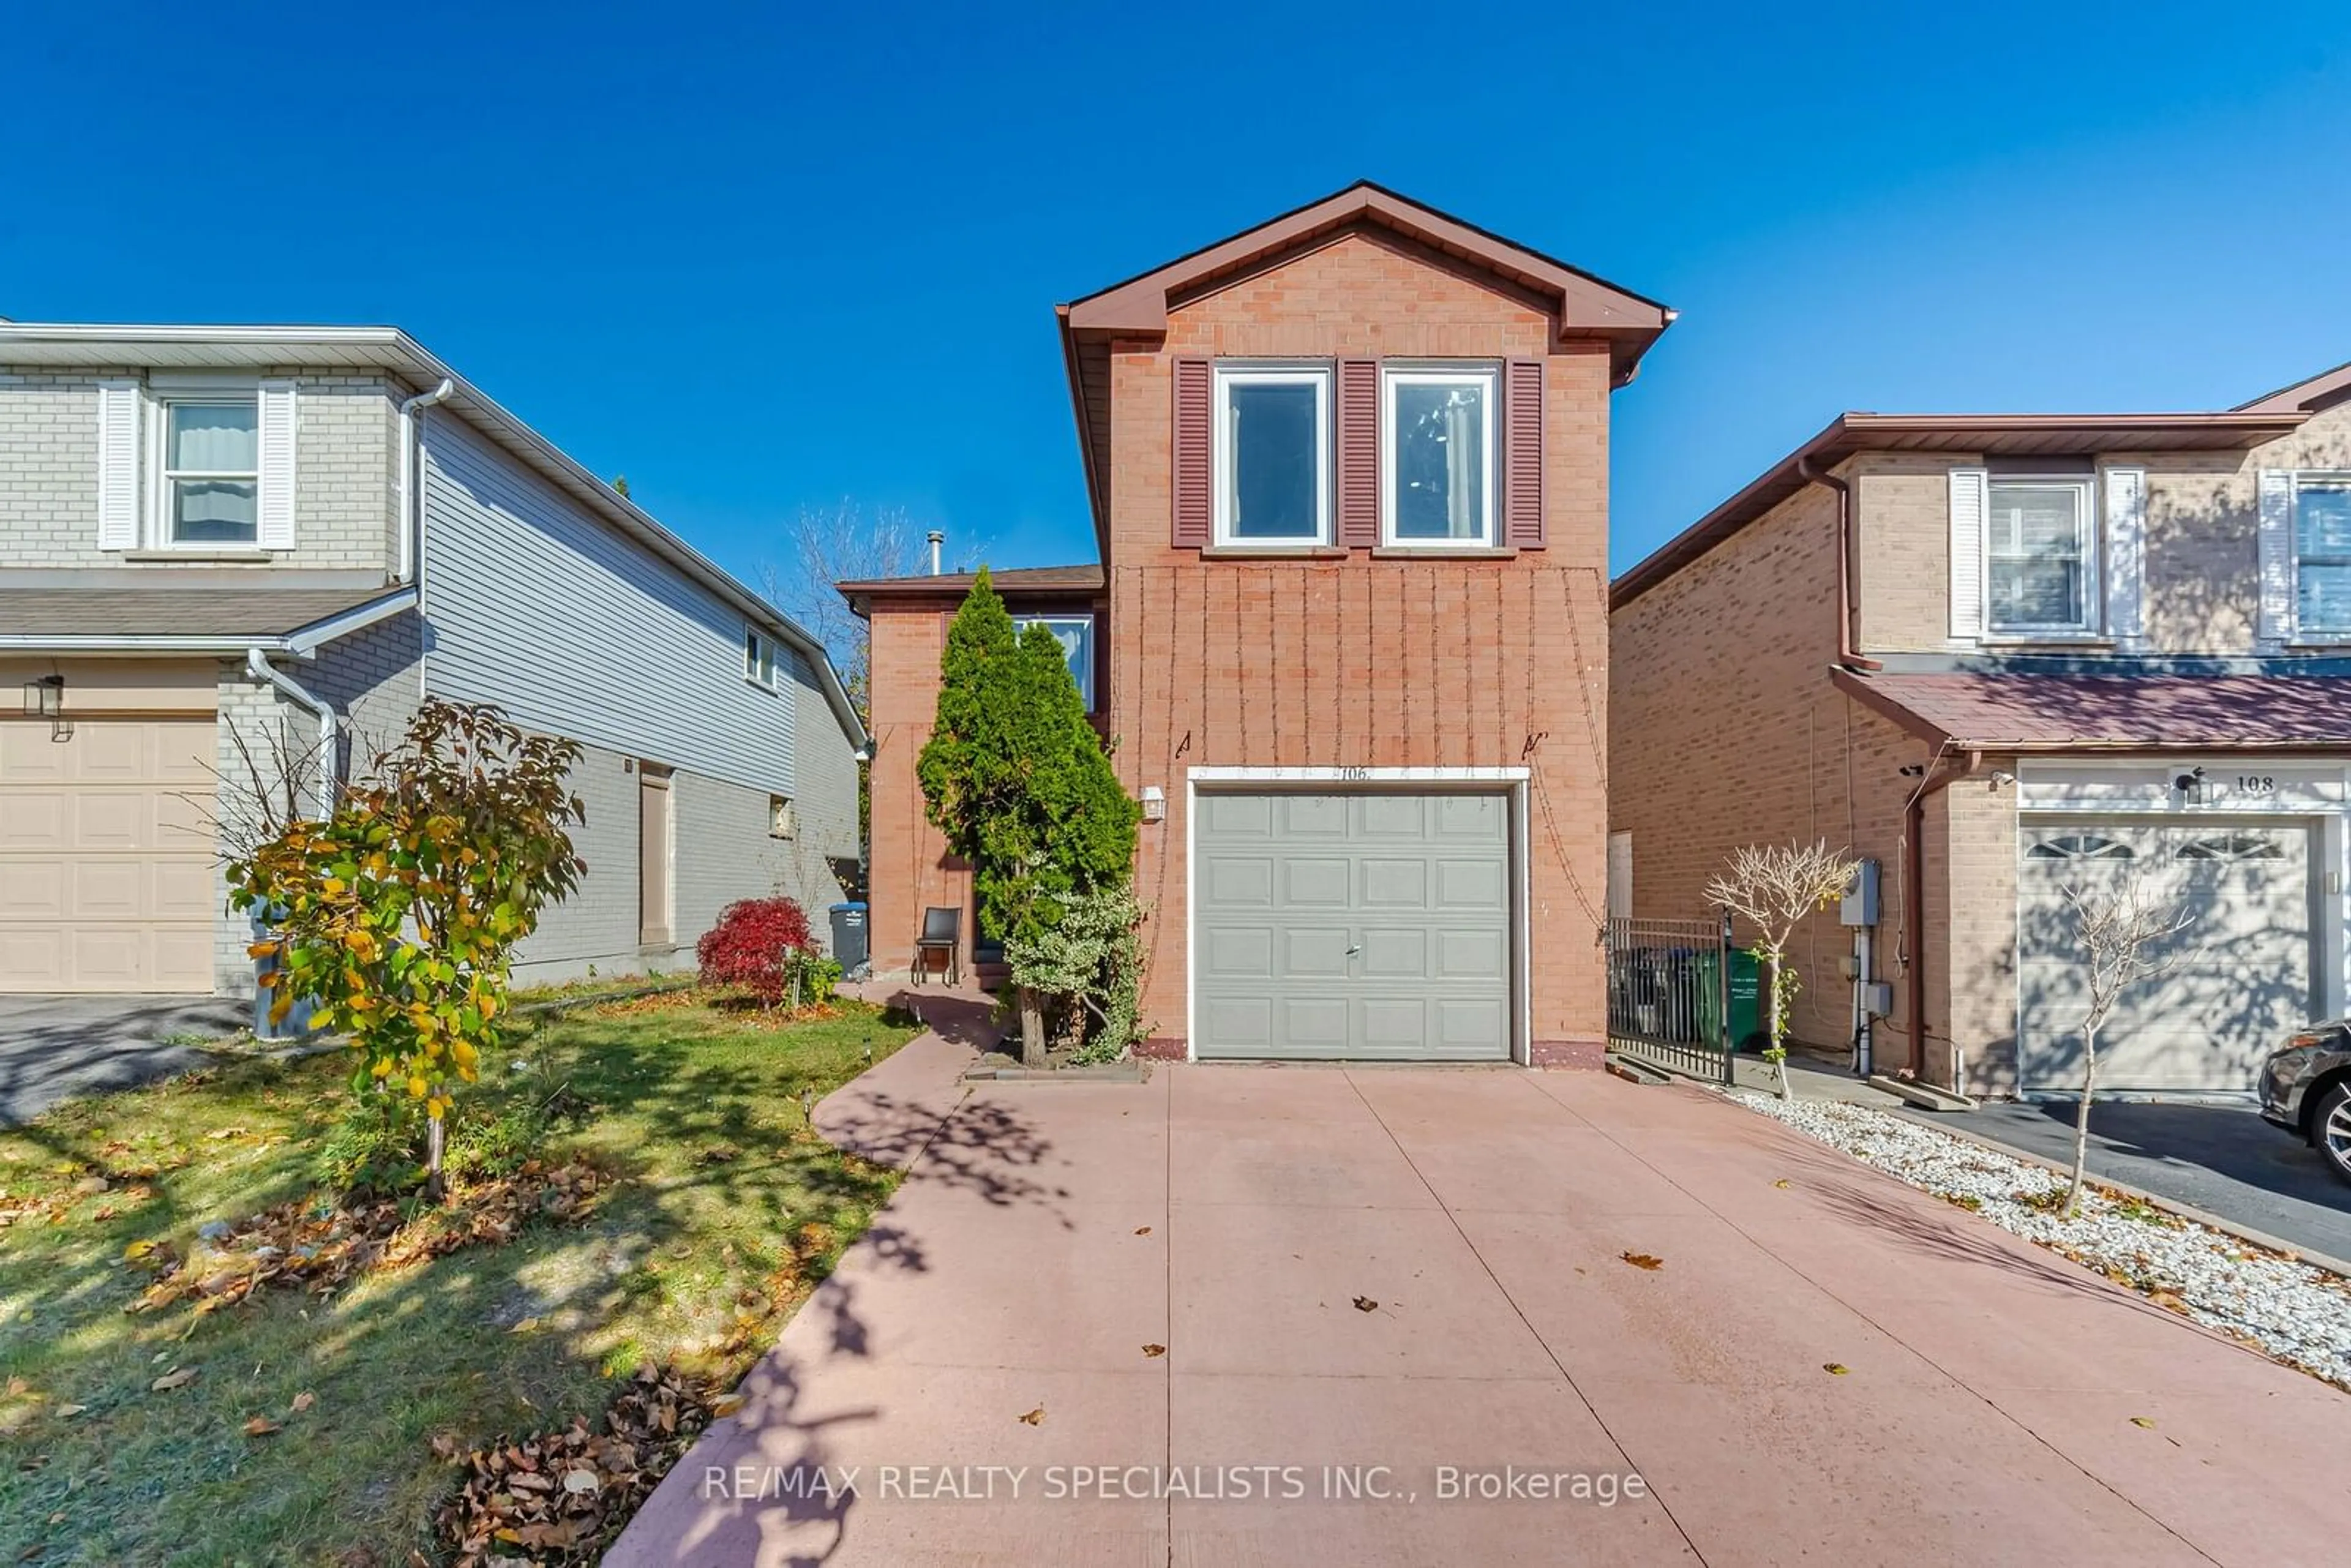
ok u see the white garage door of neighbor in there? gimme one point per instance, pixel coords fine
(108, 880)
(2242, 980)
(1352, 926)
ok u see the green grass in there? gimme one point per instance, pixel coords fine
(698, 1110)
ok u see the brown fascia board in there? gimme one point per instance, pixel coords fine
(1851, 434)
(1137, 307)
(2325, 388)
(1085, 432)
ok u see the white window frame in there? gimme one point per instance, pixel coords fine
(1489, 376)
(758, 659)
(1076, 618)
(2093, 622)
(195, 392)
(1321, 376)
(2304, 481)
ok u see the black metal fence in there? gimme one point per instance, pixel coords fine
(1668, 993)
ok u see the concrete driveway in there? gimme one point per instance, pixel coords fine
(61, 1048)
(1375, 1287)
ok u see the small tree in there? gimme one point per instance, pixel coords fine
(397, 916)
(2120, 925)
(1093, 958)
(1772, 887)
(1016, 779)
(751, 946)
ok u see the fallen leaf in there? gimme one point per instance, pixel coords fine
(1642, 1260)
(71, 1409)
(178, 1378)
(1035, 1418)
(727, 1407)
(1782, 1182)
(579, 1482)
(1835, 1368)
(444, 1446)
(226, 1133)
(1154, 1351)
(18, 1388)
(1365, 1304)
(260, 1427)
(303, 1401)
(1142, 1230)
(31, 1551)
(2142, 1421)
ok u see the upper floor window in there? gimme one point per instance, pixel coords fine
(208, 486)
(2322, 557)
(1437, 432)
(1272, 454)
(1075, 633)
(2040, 555)
(758, 660)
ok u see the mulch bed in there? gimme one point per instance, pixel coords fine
(321, 1247)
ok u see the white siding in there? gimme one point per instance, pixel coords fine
(538, 606)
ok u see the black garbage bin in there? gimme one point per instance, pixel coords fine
(849, 938)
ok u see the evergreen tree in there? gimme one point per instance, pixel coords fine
(1016, 779)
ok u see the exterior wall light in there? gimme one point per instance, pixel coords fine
(1154, 803)
(45, 698)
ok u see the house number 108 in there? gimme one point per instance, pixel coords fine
(2256, 784)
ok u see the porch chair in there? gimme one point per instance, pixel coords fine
(942, 935)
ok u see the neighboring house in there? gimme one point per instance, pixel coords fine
(218, 544)
(1348, 473)
(2004, 656)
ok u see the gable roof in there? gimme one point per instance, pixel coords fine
(146, 347)
(2321, 391)
(2007, 434)
(1585, 305)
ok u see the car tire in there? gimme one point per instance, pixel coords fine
(2330, 1129)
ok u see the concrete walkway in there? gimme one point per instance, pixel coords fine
(1364, 1278)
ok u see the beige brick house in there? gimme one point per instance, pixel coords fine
(2004, 656)
(1348, 473)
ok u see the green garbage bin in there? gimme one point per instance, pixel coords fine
(1747, 1031)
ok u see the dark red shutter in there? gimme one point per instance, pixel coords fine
(1359, 453)
(1193, 456)
(1522, 454)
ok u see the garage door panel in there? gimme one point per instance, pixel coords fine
(2240, 972)
(108, 880)
(1387, 917)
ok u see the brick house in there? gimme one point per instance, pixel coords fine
(224, 543)
(2003, 656)
(1348, 473)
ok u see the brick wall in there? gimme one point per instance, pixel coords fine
(1725, 730)
(1363, 661)
(1902, 551)
(345, 470)
(910, 869)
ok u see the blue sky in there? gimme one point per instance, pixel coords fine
(758, 256)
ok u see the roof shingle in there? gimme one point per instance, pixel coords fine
(1982, 712)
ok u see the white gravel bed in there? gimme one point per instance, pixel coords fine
(2298, 1313)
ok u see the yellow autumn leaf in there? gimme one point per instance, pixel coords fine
(416, 1087)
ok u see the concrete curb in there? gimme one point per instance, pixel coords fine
(1134, 1069)
(1942, 1123)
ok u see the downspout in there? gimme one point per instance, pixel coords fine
(1847, 610)
(1914, 895)
(257, 666)
(412, 511)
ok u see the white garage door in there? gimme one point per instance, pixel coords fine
(108, 880)
(2242, 979)
(1352, 926)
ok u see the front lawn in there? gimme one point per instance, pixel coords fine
(727, 1209)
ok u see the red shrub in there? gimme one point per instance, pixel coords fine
(747, 946)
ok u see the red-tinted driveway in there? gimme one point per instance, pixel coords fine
(1998, 1404)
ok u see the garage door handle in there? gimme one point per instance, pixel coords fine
(1355, 949)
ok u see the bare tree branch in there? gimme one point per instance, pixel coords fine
(1772, 887)
(2123, 927)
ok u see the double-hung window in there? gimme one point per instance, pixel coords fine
(1075, 633)
(2322, 557)
(208, 486)
(2040, 556)
(1273, 455)
(1437, 470)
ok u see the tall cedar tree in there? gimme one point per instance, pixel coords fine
(1016, 779)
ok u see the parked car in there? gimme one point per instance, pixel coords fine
(2306, 1089)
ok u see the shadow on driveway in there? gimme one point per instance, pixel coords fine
(2222, 1158)
(61, 1048)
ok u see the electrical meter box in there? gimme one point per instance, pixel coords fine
(1860, 907)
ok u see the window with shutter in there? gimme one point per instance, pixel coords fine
(1359, 452)
(118, 465)
(1193, 456)
(1968, 505)
(1523, 455)
(273, 507)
